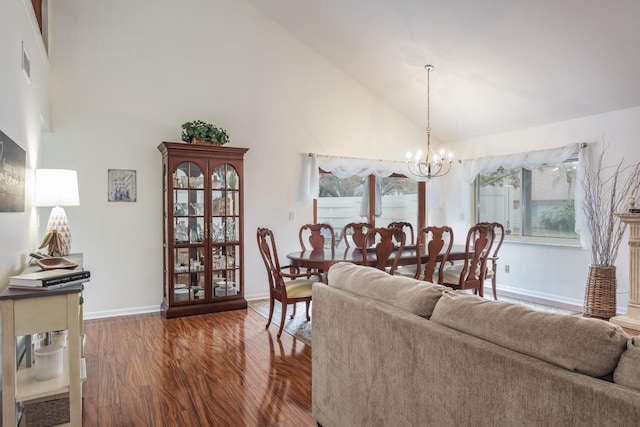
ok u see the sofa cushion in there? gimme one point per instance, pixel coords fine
(405, 293)
(589, 346)
(627, 372)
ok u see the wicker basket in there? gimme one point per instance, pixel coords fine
(47, 413)
(600, 295)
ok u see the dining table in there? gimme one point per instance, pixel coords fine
(323, 259)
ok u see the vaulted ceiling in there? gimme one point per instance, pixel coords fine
(499, 64)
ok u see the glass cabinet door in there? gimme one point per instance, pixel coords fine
(189, 233)
(225, 231)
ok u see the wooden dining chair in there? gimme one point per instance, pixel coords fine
(471, 274)
(385, 248)
(404, 226)
(317, 236)
(492, 260)
(437, 242)
(286, 284)
(357, 231)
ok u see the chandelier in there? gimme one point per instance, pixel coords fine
(433, 165)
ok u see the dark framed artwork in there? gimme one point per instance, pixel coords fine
(121, 185)
(12, 168)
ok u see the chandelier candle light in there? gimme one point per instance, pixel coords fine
(429, 168)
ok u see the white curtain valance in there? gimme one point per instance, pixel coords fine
(529, 160)
(345, 167)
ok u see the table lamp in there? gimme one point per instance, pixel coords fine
(57, 188)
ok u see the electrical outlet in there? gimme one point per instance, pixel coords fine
(507, 268)
(292, 216)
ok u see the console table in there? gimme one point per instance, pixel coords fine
(26, 312)
(631, 320)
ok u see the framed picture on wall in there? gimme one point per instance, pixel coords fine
(12, 168)
(121, 185)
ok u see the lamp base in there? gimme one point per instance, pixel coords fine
(58, 221)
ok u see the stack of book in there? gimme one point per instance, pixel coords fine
(49, 279)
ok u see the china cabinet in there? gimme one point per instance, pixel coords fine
(203, 228)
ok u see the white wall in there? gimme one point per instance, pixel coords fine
(126, 74)
(24, 111)
(551, 272)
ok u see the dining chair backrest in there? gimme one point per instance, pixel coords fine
(498, 239)
(478, 248)
(384, 247)
(404, 226)
(437, 242)
(267, 248)
(357, 231)
(318, 236)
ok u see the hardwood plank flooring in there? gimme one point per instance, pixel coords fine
(220, 369)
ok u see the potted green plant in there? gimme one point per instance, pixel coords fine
(198, 131)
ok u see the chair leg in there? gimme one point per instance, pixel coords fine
(308, 303)
(271, 303)
(294, 311)
(282, 319)
(493, 287)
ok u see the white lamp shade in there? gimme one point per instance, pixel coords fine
(57, 187)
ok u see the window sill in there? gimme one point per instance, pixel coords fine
(543, 241)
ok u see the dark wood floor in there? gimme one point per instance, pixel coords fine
(221, 369)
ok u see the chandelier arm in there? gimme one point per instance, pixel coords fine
(430, 170)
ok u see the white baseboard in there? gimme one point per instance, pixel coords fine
(536, 297)
(122, 312)
(256, 296)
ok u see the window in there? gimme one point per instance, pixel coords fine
(341, 201)
(399, 197)
(538, 203)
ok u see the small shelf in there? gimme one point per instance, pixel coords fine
(29, 388)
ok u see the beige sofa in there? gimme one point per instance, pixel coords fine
(393, 351)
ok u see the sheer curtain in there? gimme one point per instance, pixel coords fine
(364, 203)
(533, 160)
(345, 167)
(529, 160)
